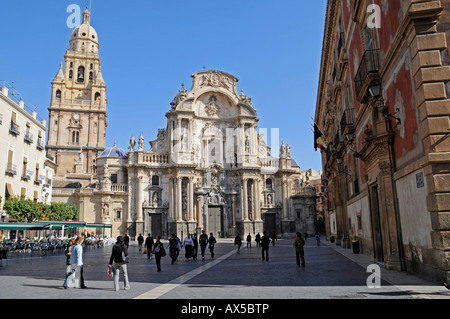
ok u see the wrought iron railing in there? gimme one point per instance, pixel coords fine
(370, 63)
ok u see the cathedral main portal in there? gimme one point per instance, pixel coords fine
(215, 221)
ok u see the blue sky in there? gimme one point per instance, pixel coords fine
(148, 48)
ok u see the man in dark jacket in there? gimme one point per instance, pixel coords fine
(265, 242)
(140, 241)
(149, 246)
(126, 240)
(238, 243)
(203, 243)
(212, 242)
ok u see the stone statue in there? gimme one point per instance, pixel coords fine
(106, 173)
(141, 143)
(155, 200)
(132, 144)
(247, 144)
(105, 210)
(282, 149)
(288, 151)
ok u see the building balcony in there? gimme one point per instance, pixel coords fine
(120, 188)
(341, 43)
(367, 73)
(40, 144)
(347, 121)
(11, 169)
(28, 137)
(14, 129)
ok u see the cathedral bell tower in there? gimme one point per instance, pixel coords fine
(77, 113)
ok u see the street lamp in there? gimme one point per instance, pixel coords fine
(375, 90)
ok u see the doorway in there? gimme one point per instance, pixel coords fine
(215, 220)
(155, 224)
(270, 223)
(376, 224)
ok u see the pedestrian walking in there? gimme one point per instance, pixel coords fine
(274, 238)
(194, 246)
(317, 235)
(203, 240)
(187, 243)
(299, 244)
(212, 243)
(249, 240)
(265, 242)
(140, 241)
(67, 252)
(126, 240)
(149, 246)
(258, 240)
(174, 248)
(76, 265)
(238, 243)
(118, 262)
(306, 236)
(159, 252)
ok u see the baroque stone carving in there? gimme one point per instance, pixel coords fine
(215, 79)
(212, 108)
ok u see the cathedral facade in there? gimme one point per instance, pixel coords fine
(208, 169)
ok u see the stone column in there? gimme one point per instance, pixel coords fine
(179, 199)
(284, 198)
(171, 202)
(179, 146)
(233, 215)
(257, 210)
(245, 200)
(191, 199)
(139, 199)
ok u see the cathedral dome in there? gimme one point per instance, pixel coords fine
(113, 152)
(85, 31)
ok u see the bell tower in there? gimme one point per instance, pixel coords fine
(77, 113)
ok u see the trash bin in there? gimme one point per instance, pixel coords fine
(331, 239)
(355, 245)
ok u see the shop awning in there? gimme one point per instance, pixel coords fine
(65, 223)
(21, 226)
(98, 226)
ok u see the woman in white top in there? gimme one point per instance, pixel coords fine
(188, 243)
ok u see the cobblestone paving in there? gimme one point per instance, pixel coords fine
(331, 272)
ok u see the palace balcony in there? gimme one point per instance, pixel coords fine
(367, 73)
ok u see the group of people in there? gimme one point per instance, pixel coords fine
(264, 243)
(119, 255)
(190, 244)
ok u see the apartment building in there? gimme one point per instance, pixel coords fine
(22, 145)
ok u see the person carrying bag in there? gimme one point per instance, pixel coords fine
(118, 260)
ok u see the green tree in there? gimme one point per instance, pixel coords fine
(24, 210)
(61, 211)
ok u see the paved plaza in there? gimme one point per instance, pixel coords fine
(331, 272)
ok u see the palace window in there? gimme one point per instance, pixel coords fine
(75, 137)
(155, 180)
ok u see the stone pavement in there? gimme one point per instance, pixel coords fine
(331, 272)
